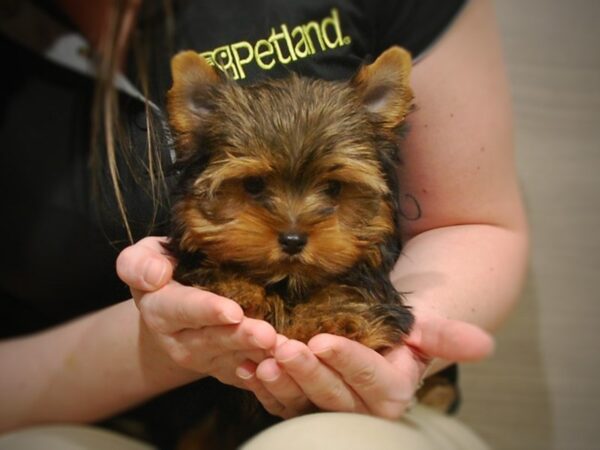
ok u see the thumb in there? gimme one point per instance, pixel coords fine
(448, 339)
(145, 266)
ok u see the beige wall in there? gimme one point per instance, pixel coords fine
(542, 388)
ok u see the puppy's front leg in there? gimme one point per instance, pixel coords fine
(351, 312)
(252, 297)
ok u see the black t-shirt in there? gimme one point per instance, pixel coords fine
(325, 39)
(59, 246)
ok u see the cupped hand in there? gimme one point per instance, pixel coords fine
(333, 373)
(198, 330)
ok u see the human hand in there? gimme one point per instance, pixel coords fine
(336, 374)
(199, 331)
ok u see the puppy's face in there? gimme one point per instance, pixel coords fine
(287, 178)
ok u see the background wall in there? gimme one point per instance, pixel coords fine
(542, 388)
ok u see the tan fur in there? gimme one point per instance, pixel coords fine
(310, 158)
(298, 137)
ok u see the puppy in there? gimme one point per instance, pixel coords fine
(287, 197)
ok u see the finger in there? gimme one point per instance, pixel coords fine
(448, 339)
(224, 367)
(283, 388)
(386, 389)
(176, 307)
(249, 334)
(246, 372)
(322, 385)
(145, 265)
(279, 340)
(256, 356)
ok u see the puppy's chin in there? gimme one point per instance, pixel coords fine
(304, 272)
(292, 261)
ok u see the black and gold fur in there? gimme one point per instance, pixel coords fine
(287, 199)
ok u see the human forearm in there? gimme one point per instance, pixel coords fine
(84, 370)
(470, 272)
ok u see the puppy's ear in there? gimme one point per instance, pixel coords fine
(384, 86)
(188, 104)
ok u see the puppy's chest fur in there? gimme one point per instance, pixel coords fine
(287, 199)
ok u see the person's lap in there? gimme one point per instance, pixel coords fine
(421, 429)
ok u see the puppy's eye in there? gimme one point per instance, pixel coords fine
(333, 188)
(254, 185)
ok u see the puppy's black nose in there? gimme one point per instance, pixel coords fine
(292, 243)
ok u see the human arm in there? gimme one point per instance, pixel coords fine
(110, 360)
(464, 258)
(81, 371)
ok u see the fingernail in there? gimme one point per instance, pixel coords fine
(280, 340)
(271, 377)
(244, 373)
(323, 352)
(286, 355)
(287, 360)
(256, 342)
(230, 317)
(154, 271)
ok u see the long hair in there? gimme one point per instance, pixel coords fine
(112, 151)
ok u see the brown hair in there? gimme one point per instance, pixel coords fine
(108, 135)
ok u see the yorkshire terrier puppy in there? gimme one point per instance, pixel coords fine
(287, 198)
